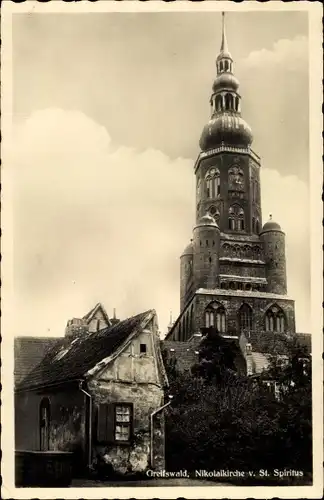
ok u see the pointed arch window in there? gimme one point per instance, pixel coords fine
(214, 212)
(212, 183)
(44, 423)
(245, 317)
(275, 320)
(236, 218)
(215, 317)
(236, 178)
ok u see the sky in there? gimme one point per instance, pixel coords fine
(107, 112)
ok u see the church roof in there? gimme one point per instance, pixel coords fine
(271, 225)
(276, 343)
(70, 359)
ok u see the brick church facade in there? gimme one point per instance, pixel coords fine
(233, 271)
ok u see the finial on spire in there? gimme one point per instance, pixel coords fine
(270, 216)
(170, 317)
(224, 47)
(114, 313)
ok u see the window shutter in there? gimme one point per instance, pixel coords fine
(102, 423)
(106, 423)
(110, 423)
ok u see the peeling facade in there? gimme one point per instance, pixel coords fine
(110, 411)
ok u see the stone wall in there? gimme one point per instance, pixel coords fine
(67, 420)
(135, 456)
(232, 301)
(232, 304)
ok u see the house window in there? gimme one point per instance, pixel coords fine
(275, 320)
(245, 317)
(215, 317)
(142, 348)
(212, 179)
(44, 423)
(236, 218)
(123, 422)
(114, 422)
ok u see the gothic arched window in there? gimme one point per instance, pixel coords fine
(212, 183)
(245, 317)
(236, 178)
(257, 226)
(226, 64)
(275, 320)
(214, 212)
(236, 218)
(237, 103)
(215, 316)
(44, 424)
(253, 224)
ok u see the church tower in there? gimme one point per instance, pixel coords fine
(233, 272)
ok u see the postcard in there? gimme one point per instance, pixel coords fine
(161, 250)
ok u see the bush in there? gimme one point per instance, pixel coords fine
(220, 419)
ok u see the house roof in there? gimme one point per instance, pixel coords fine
(276, 343)
(88, 317)
(185, 353)
(28, 352)
(305, 340)
(267, 342)
(71, 359)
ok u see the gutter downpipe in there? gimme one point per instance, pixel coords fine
(89, 423)
(155, 412)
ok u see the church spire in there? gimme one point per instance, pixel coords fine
(224, 46)
(224, 52)
(226, 125)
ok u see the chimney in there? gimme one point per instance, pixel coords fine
(114, 320)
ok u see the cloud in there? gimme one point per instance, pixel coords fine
(98, 222)
(290, 53)
(275, 86)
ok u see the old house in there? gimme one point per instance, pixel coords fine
(98, 392)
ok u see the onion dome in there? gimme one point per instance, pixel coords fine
(271, 225)
(229, 129)
(207, 220)
(225, 81)
(226, 126)
(188, 250)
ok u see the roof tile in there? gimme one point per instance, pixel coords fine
(70, 360)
